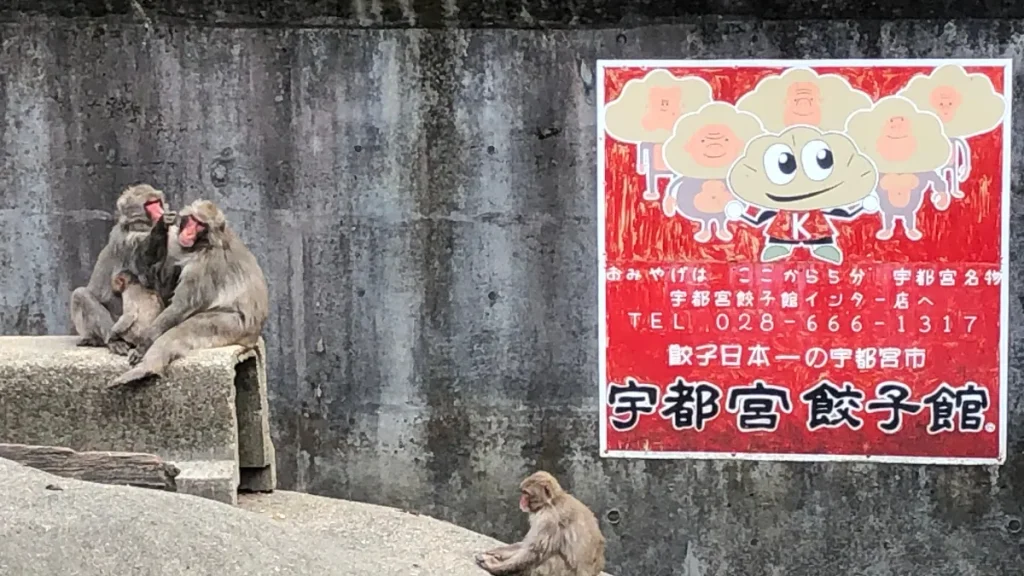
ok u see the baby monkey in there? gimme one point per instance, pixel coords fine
(140, 307)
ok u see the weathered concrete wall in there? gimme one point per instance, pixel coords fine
(418, 180)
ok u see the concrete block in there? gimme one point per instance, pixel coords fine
(211, 406)
(211, 479)
(255, 448)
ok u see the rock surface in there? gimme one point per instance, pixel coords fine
(54, 525)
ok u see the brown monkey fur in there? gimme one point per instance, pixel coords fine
(140, 307)
(137, 209)
(564, 537)
(220, 299)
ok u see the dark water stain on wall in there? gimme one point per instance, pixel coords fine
(436, 199)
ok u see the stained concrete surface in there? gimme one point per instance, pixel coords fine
(421, 194)
(509, 13)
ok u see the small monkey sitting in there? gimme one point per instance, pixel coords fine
(140, 307)
(564, 538)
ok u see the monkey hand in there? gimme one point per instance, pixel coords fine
(119, 347)
(141, 347)
(734, 210)
(870, 204)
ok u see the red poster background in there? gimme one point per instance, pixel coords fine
(966, 236)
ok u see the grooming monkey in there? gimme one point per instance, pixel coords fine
(137, 209)
(564, 537)
(152, 262)
(220, 299)
(140, 307)
(146, 284)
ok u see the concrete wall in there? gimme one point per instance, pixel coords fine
(418, 179)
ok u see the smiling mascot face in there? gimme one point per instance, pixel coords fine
(802, 169)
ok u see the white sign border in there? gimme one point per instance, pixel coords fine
(1004, 257)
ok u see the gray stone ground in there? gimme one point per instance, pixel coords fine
(87, 529)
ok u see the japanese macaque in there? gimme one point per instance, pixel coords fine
(139, 304)
(909, 149)
(644, 114)
(221, 298)
(137, 209)
(564, 537)
(967, 105)
(800, 96)
(703, 146)
(799, 181)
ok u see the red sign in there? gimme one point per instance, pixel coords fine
(804, 260)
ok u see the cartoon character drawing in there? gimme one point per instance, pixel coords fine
(644, 114)
(703, 146)
(909, 150)
(800, 96)
(799, 181)
(967, 105)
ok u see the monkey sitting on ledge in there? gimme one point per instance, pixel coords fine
(564, 538)
(138, 209)
(220, 299)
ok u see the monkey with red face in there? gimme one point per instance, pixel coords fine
(220, 298)
(137, 209)
(564, 537)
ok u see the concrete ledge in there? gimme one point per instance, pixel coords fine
(212, 406)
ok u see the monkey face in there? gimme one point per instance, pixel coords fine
(202, 225)
(119, 282)
(533, 499)
(192, 230)
(525, 503)
(141, 203)
(122, 280)
(154, 209)
(537, 491)
(802, 169)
